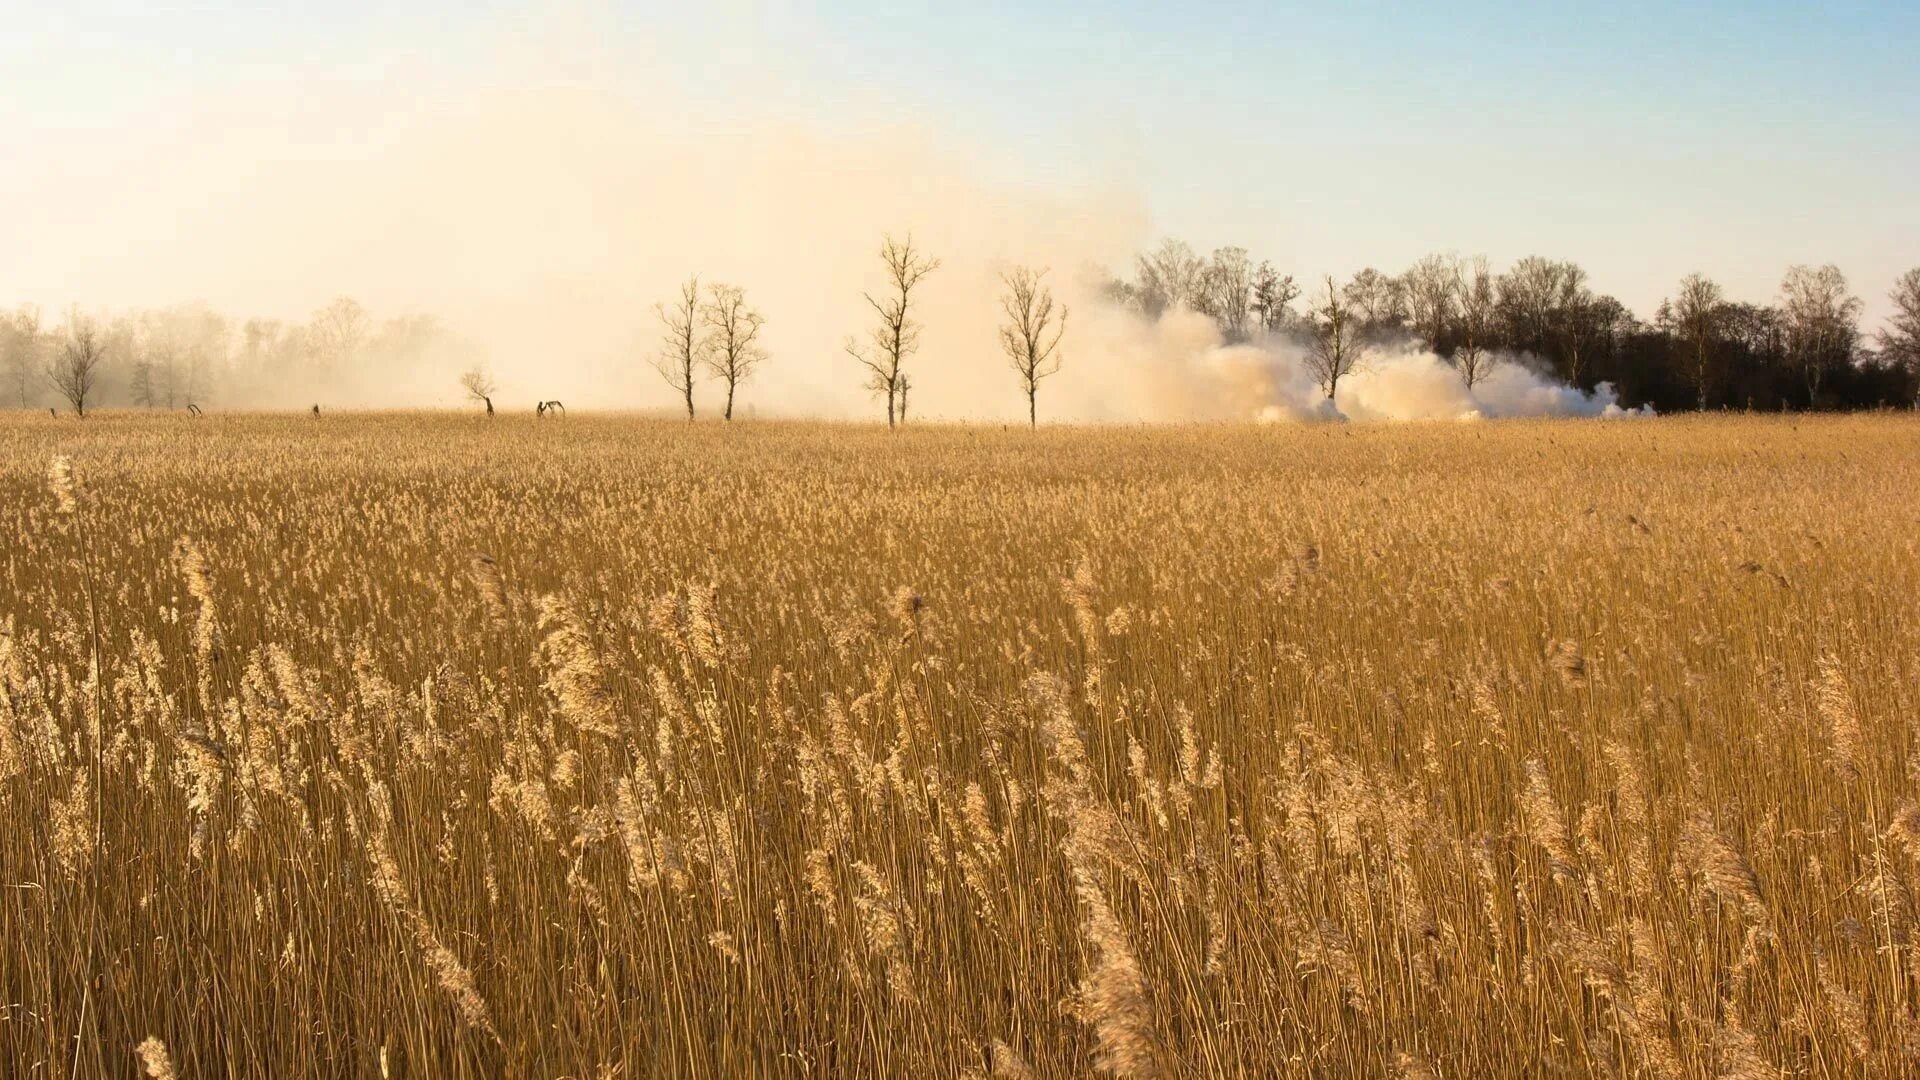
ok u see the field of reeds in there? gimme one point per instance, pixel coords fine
(426, 746)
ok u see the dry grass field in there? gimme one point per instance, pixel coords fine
(425, 746)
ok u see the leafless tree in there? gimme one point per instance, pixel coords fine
(1900, 338)
(681, 350)
(1031, 335)
(1573, 320)
(1588, 327)
(890, 343)
(155, 361)
(1822, 322)
(1170, 277)
(1696, 316)
(180, 347)
(1225, 291)
(733, 338)
(1475, 317)
(1334, 351)
(479, 387)
(1272, 295)
(1378, 302)
(1531, 298)
(1119, 292)
(259, 339)
(20, 348)
(76, 367)
(1428, 285)
(140, 382)
(906, 384)
(406, 338)
(337, 332)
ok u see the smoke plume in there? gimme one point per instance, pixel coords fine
(1178, 367)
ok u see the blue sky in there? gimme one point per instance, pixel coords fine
(1644, 141)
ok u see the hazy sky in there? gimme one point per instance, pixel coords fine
(1642, 140)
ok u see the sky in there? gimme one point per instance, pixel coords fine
(1643, 141)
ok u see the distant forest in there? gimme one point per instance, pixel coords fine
(175, 357)
(1803, 349)
(1700, 350)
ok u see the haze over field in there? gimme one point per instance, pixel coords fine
(536, 186)
(539, 228)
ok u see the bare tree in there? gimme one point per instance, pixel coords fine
(1756, 329)
(733, 336)
(1272, 295)
(1532, 295)
(479, 387)
(1170, 277)
(338, 330)
(1573, 318)
(1031, 335)
(175, 350)
(681, 350)
(406, 339)
(885, 353)
(1224, 292)
(76, 367)
(20, 348)
(906, 384)
(1119, 292)
(155, 360)
(1475, 317)
(1335, 350)
(1900, 338)
(1822, 322)
(1378, 302)
(259, 340)
(1696, 315)
(209, 342)
(1589, 327)
(140, 384)
(1428, 285)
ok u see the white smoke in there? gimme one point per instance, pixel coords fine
(1411, 383)
(1179, 367)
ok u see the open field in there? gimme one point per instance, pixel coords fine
(1458, 750)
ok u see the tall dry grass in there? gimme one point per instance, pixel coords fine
(415, 746)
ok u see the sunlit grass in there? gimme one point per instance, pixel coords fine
(588, 747)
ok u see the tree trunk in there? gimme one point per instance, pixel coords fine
(1032, 422)
(689, 400)
(729, 412)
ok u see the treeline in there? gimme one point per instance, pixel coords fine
(1700, 350)
(176, 357)
(1804, 349)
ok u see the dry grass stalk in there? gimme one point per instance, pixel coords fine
(154, 1059)
(1186, 728)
